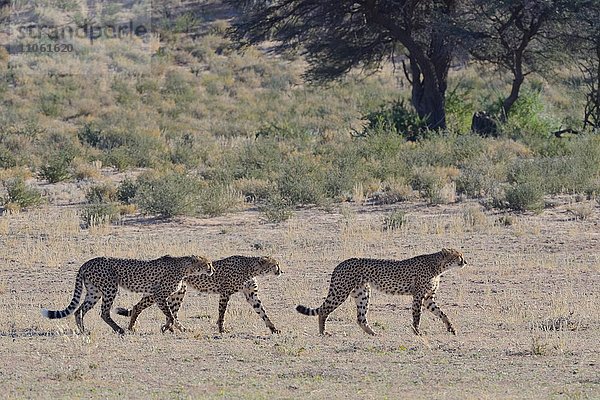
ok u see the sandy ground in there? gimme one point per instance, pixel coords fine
(525, 309)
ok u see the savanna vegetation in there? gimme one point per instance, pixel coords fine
(209, 125)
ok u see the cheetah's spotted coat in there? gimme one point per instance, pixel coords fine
(418, 276)
(232, 274)
(158, 278)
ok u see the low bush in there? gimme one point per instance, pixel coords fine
(459, 110)
(220, 199)
(20, 195)
(168, 195)
(86, 171)
(526, 119)
(473, 217)
(95, 214)
(481, 177)
(254, 190)
(525, 196)
(394, 220)
(395, 118)
(276, 209)
(393, 192)
(57, 167)
(103, 193)
(302, 181)
(127, 190)
(436, 184)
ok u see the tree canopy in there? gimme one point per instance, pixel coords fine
(337, 36)
(519, 37)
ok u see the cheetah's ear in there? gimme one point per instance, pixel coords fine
(446, 252)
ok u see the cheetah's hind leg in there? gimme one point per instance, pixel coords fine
(361, 296)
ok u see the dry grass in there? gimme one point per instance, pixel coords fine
(525, 309)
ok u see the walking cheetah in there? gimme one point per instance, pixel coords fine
(232, 274)
(158, 278)
(419, 276)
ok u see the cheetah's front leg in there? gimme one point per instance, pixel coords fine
(431, 306)
(223, 300)
(171, 320)
(176, 299)
(416, 311)
(251, 292)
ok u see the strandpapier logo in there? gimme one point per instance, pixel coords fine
(77, 37)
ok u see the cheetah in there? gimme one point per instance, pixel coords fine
(419, 276)
(232, 274)
(157, 278)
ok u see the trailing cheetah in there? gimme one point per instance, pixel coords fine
(419, 276)
(158, 278)
(232, 274)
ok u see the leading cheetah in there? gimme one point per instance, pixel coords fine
(419, 276)
(232, 274)
(159, 278)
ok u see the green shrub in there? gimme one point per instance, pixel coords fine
(302, 181)
(168, 195)
(142, 150)
(394, 220)
(95, 214)
(104, 193)
(555, 175)
(276, 209)
(384, 156)
(428, 183)
(254, 190)
(119, 158)
(94, 136)
(395, 118)
(7, 158)
(57, 167)
(220, 199)
(260, 159)
(525, 196)
(481, 177)
(526, 119)
(459, 110)
(123, 144)
(343, 173)
(50, 104)
(21, 195)
(127, 190)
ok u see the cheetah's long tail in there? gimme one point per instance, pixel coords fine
(74, 302)
(123, 311)
(308, 311)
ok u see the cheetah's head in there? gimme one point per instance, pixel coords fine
(453, 259)
(268, 265)
(199, 265)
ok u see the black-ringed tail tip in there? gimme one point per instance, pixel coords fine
(58, 314)
(306, 310)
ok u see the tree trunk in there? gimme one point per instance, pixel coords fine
(512, 98)
(428, 94)
(596, 102)
(429, 65)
